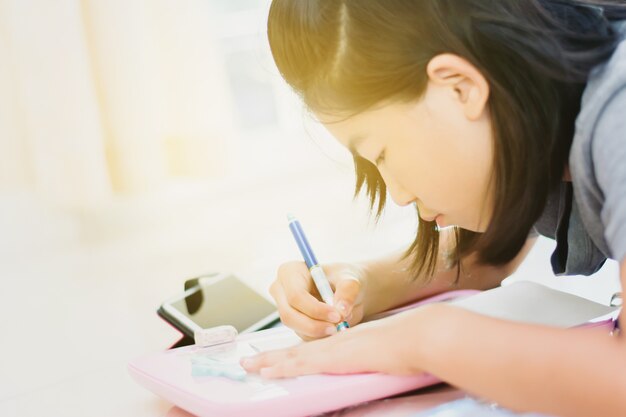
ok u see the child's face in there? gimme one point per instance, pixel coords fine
(434, 156)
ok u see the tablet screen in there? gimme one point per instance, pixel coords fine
(227, 300)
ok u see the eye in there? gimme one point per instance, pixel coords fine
(381, 158)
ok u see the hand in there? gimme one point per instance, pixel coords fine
(300, 306)
(370, 347)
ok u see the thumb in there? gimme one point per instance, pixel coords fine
(346, 292)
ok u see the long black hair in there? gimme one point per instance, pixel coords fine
(346, 56)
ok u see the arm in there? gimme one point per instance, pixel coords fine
(565, 372)
(390, 284)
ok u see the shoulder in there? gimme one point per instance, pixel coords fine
(607, 133)
(608, 138)
(608, 152)
(598, 154)
(605, 84)
(601, 103)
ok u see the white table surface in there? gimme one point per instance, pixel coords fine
(74, 313)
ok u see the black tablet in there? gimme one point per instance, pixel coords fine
(218, 299)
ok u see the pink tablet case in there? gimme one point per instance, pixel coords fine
(168, 374)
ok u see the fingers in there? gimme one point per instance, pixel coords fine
(303, 324)
(283, 363)
(331, 355)
(295, 281)
(347, 291)
(308, 316)
(265, 359)
(308, 305)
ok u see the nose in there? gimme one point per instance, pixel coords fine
(398, 194)
(400, 197)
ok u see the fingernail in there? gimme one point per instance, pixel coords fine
(330, 330)
(343, 307)
(334, 317)
(246, 362)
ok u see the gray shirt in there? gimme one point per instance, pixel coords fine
(587, 217)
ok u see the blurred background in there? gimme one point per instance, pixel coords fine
(144, 142)
(117, 115)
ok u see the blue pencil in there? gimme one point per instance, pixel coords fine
(319, 278)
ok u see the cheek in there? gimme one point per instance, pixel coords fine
(451, 182)
(444, 165)
(430, 163)
(420, 173)
(470, 182)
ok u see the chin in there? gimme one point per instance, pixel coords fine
(480, 228)
(472, 227)
(443, 222)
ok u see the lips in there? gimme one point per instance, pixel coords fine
(440, 221)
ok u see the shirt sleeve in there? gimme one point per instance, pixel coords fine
(609, 160)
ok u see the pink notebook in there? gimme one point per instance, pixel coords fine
(169, 375)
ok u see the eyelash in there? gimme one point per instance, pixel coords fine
(380, 159)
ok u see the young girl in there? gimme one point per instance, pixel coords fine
(502, 118)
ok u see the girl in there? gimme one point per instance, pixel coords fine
(502, 118)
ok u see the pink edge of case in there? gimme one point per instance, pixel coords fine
(168, 375)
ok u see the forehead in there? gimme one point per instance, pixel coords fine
(353, 130)
(344, 128)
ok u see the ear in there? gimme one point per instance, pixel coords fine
(467, 84)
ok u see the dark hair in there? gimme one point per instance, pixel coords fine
(343, 56)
